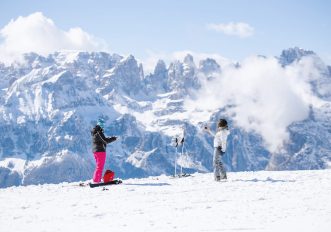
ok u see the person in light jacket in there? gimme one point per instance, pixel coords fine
(220, 139)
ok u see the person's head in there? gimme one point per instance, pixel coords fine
(222, 123)
(101, 123)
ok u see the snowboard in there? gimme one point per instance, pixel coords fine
(92, 185)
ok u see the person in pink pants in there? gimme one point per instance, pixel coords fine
(100, 158)
(99, 141)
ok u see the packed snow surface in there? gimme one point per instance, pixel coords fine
(248, 201)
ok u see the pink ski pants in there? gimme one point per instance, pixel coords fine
(100, 158)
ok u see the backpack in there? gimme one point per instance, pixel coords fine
(108, 176)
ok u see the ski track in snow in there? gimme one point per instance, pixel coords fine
(248, 201)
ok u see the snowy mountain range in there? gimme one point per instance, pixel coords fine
(48, 105)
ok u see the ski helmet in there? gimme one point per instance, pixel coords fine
(222, 123)
(101, 123)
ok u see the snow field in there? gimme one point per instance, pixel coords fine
(248, 201)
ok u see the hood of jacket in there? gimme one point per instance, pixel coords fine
(96, 129)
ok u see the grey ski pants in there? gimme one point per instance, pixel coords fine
(218, 164)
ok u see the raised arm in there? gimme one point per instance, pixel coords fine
(105, 139)
(209, 131)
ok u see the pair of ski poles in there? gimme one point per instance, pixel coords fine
(176, 145)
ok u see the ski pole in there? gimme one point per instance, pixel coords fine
(176, 163)
(181, 167)
(176, 144)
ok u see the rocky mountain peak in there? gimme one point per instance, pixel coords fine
(290, 55)
(208, 66)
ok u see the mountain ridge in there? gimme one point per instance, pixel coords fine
(49, 104)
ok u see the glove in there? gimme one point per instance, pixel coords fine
(220, 149)
(111, 139)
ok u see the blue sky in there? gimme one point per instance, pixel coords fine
(148, 27)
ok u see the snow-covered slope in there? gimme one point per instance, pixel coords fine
(248, 201)
(49, 104)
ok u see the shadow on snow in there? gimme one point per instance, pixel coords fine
(148, 184)
(266, 180)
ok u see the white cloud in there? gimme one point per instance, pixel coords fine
(326, 57)
(237, 29)
(261, 96)
(37, 33)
